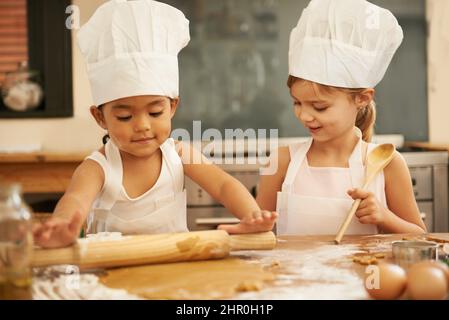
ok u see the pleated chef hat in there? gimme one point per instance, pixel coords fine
(131, 49)
(343, 43)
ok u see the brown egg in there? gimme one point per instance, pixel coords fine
(437, 264)
(392, 282)
(426, 282)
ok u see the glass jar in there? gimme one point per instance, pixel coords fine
(16, 244)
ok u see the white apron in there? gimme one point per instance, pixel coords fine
(311, 215)
(163, 211)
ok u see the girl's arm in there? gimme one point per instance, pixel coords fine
(64, 226)
(226, 190)
(271, 182)
(402, 214)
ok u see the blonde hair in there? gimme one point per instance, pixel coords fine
(366, 117)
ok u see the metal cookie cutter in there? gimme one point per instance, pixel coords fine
(406, 253)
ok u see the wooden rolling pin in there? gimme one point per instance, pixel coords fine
(148, 249)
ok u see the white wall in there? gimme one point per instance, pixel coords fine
(81, 133)
(438, 70)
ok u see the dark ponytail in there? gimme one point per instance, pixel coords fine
(106, 136)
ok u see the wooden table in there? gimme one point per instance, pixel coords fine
(427, 146)
(313, 267)
(46, 172)
(39, 172)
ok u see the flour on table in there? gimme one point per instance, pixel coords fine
(82, 243)
(101, 236)
(310, 274)
(63, 282)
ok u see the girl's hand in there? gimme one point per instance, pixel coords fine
(259, 221)
(57, 232)
(370, 210)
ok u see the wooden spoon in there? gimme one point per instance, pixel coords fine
(377, 160)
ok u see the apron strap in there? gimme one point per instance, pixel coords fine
(115, 175)
(356, 161)
(296, 160)
(107, 197)
(174, 164)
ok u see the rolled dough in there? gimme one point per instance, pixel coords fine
(212, 279)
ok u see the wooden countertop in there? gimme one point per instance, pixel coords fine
(41, 157)
(309, 267)
(313, 267)
(39, 172)
(44, 156)
(427, 146)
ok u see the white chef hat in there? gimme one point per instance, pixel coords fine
(343, 43)
(131, 49)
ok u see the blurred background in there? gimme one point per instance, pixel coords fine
(234, 71)
(233, 75)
